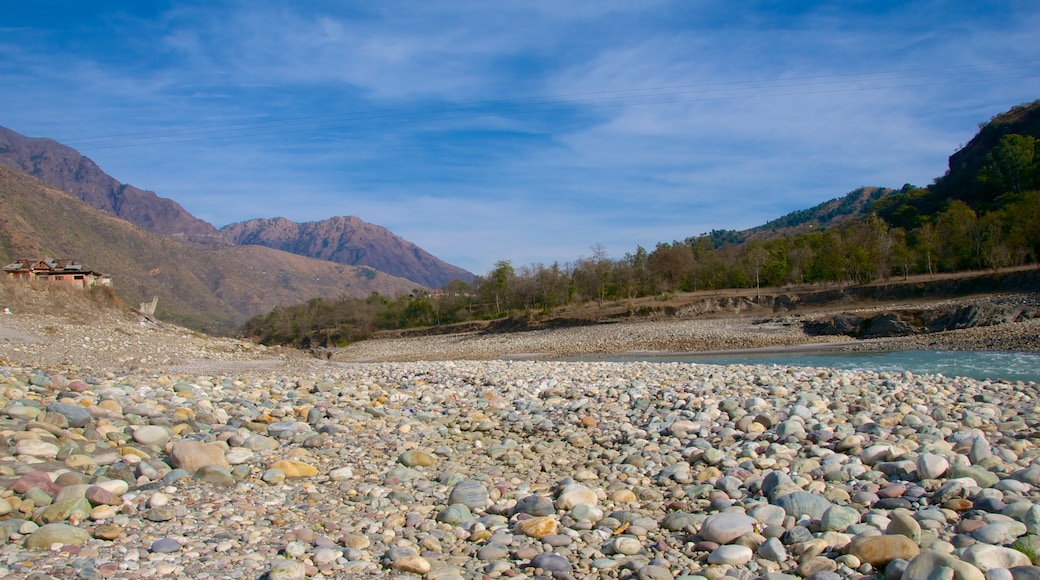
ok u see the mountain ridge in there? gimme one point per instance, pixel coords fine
(347, 240)
(369, 245)
(199, 285)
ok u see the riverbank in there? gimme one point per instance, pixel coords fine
(738, 332)
(129, 449)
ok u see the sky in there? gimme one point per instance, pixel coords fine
(525, 130)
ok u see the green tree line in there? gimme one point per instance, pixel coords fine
(910, 232)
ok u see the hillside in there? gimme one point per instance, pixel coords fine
(840, 210)
(348, 240)
(213, 286)
(998, 165)
(66, 169)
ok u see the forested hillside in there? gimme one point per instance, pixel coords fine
(983, 213)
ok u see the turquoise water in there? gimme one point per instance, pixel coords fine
(1009, 366)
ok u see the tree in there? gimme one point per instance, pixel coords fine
(1013, 166)
(669, 265)
(955, 230)
(499, 283)
(756, 258)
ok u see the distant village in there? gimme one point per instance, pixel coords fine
(67, 272)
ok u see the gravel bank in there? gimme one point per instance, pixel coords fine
(152, 452)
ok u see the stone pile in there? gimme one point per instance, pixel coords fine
(518, 469)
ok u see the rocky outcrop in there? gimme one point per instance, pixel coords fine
(906, 322)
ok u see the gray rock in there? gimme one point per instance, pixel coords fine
(76, 415)
(469, 493)
(551, 562)
(802, 503)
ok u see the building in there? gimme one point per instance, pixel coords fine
(56, 271)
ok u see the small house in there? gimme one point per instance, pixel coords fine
(67, 272)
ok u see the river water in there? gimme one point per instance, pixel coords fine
(1009, 366)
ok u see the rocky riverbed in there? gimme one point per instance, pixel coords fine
(152, 452)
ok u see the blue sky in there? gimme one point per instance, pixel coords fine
(526, 130)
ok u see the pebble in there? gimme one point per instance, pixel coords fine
(473, 469)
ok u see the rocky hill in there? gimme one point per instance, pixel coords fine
(66, 169)
(348, 240)
(206, 286)
(344, 240)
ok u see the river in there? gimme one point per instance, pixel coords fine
(984, 365)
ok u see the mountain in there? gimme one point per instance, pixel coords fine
(348, 240)
(342, 240)
(836, 212)
(961, 180)
(999, 164)
(853, 205)
(66, 169)
(200, 285)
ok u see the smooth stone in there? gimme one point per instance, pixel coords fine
(108, 531)
(165, 546)
(768, 514)
(725, 527)
(654, 572)
(801, 503)
(537, 527)
(282, 430)
(295, 469)
(985, 557)
(999, 532)
(50, 534)
(1025, 573)
(191, 455)
(37, 479)
(535, 505)
(627, 545)
(214, 474)
(733, 555)
(490, 552)
(575, 494)
(931, 466)
(902, 522)
(239, 455)
(284, 569)
(772, 549)
(36, 448)
(175, 474)
(470, 493)
(677, 521)
(414, 563)
(260, 443)
(152, 435)
(76, 415)
(551, 562)
(341, 474)
(982, 476)
(839, 518)
(929, 562)
(98, 495)
(416, 458)
(73, 510)
(880, 550)
(456, 514)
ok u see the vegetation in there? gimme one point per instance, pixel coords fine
(984, 213)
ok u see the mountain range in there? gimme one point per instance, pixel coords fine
(343, 240)
(199, 285)
(55, 202)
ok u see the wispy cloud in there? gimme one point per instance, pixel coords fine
(521, 130)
